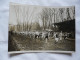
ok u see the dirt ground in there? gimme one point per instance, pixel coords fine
(23, 43)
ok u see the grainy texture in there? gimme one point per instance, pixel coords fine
(41, 28)
(4, 10)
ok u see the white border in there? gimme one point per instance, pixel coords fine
(38, 51)
(11, 3)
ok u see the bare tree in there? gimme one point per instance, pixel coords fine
(47, 16)
(24, 16)
(17, 15)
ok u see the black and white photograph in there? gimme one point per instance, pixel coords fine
(34, 28)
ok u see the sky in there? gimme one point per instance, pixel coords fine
(4, 18)
(25, 14)
(30, 13)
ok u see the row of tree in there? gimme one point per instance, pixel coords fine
(56, 15)
(27, 19)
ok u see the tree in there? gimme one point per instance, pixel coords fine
(47, 16)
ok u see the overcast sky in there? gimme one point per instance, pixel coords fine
(21, 13)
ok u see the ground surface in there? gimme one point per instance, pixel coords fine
(21, 43)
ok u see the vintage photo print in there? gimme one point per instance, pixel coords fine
(41, 28)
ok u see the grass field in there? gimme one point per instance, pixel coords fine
(23, 43)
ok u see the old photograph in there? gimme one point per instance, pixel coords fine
(41, 28)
